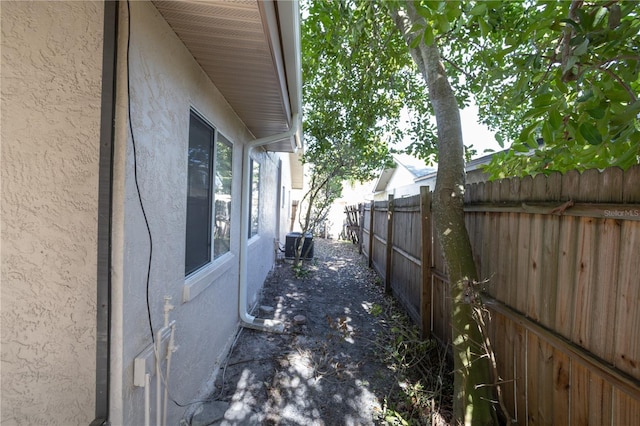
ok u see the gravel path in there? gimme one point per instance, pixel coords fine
(321, 371)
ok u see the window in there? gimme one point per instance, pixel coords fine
(208, 195)
(222, 234)
(254, 210)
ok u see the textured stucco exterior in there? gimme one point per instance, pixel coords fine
(166, 82)
(51, 86)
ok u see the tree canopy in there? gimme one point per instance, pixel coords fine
(558, 81)
(352, 105)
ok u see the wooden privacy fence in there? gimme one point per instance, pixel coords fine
(561, 256)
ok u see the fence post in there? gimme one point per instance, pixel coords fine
(427, 281)
(389, 254)
(360, 226)
(371, 233)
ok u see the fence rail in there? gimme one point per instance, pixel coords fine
(561, 256)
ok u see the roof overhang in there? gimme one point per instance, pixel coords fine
(383, 179)
(251, 51)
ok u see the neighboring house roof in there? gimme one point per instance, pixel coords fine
(417, 168)
(251, 51)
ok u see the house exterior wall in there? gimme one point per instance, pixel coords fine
(51, 87)
(165, 83)
(400, 185)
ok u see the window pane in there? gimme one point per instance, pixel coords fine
(198, 235)
(222, 234)
(255, 198)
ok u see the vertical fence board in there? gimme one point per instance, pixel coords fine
(554, 187)
(605, 289)
(599, 402)
(627, 322)
(549, 271)
(533, 379)
(631, 186)
(476, 240)
(626, 409)
(522, 262)
(545, 383)
(425, 272)
(487, 249)
(570, 185)
(371, 233)
(536, 243)
(579, 394)
(520, 362)
(589, 186)
(567, 265)
(534, 266)
(561, 388)
(389, 247)
(505, 333)
(511, 244)
(611, 187)
(499, 279)
(587, 242)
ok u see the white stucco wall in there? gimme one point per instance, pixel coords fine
(51, 85)
(165, 83)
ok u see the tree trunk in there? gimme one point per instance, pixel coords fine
(474, 400)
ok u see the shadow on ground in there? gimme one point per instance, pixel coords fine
(323, 370)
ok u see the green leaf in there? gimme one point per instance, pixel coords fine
(524, 133)
(423, 11)
(573, 23)
(433, 5)
(585, 96)
(535, 113)
(479, 9)
(582, 48)
(415, 42)
(485, 28)
(602, 12)
(453, 11)
(542, 100)
(555, 119)
(428, 36)
(628, 114)
(577, 40)
(443, 24)
(570, 63)
(597, 112)
(628, 159)
(590, 133)
(547, 134)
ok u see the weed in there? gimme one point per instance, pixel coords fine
(300, 271)
(376, 310)
(425, 383)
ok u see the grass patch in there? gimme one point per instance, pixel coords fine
(423, 374)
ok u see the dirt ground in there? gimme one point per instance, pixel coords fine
(324, 369)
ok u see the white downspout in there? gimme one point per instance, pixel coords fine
(247, 320)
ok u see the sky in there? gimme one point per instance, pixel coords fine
(473, 133)
(476, 134)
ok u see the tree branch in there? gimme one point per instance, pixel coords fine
(621, 82)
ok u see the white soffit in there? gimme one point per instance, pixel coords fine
(233, 44)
